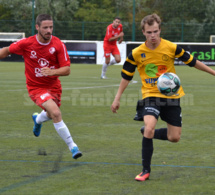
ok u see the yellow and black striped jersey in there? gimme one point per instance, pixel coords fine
(152, 63)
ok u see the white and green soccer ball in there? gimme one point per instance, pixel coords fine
(168, 83)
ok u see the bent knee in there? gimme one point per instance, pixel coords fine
(174, 139)
(149, 132)
(56, 114)
(118, 60)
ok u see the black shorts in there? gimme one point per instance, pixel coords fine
(169, 110)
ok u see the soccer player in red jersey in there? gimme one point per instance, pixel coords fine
(113, 33)
(46, 59)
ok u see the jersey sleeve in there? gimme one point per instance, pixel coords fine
(184, 56)
(17, 47)
(129, 68)
(63, 56)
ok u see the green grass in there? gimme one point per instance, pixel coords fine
(111, 143)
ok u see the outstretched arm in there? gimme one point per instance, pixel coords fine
(4, 52)
(201, 66)
(116, 103)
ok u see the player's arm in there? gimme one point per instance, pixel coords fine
(62, 71)
(119, 36)
(121, 39)
(201, 66)
(63, 60)
(116, 103)
(192, 62)
(4, 52)
(184, 56)
(127, 75)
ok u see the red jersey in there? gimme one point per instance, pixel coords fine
(38, 55)
(112, 32)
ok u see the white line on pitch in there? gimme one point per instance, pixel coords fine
(71, 88)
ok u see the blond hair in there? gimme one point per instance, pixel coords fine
(150, 19)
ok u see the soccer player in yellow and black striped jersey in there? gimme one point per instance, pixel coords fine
(151, 59)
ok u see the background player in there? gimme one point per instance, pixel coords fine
(147, 58)
(46, 59)
(113, 33)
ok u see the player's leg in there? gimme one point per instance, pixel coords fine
(116, 59)
(160, 134)
(150, 113)
(147, 147)
(104, 67)
(42, 117)
(38, 120)
(37, 96)
(107, 53)
(54, 113)
(173, 117)
(116, 54)
(173, 133)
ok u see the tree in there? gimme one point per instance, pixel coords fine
(207, 27)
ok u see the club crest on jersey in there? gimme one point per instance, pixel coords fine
(52, 50)
(143, 55)
(165, 57)
(33, 54)
(43, 62)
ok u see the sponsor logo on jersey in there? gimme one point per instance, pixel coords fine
(43, 62)
(33, 54)
(38, 72)
(152, 80)
(154, 71)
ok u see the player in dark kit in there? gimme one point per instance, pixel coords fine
(46, 59)
(151, 59)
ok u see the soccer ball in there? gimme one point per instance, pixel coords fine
(168, 83)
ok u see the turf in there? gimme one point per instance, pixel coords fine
(111, 143)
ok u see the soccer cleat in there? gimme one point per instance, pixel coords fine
(76, 152)
(142, 176)
(37, 127)
(103, 77)
(142, 129)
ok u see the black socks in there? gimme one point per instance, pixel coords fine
(147, 151)
(161, 134)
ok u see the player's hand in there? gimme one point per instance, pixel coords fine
(115, 106)
(46, 71)
(120, 41)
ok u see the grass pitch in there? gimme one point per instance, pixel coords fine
(111, 143)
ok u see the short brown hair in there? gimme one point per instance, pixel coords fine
(117, 18)
(42, 17)
(150, 19)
